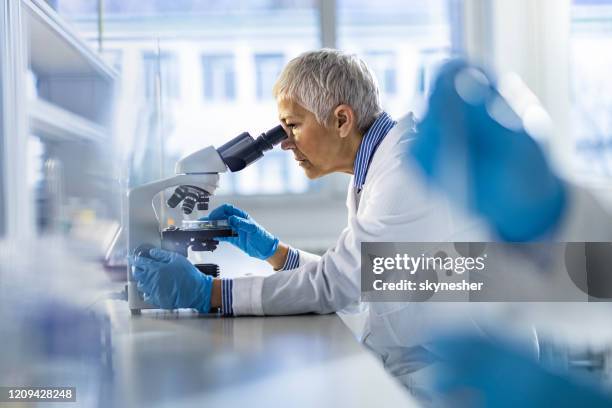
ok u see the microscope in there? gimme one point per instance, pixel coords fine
(196, 179)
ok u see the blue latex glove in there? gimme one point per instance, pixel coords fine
(476, 373)
(498, 171)
(169, 281)
(252, 238)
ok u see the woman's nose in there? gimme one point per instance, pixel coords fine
(287, 144)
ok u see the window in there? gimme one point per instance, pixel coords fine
(3, 169)
(591, 65)
(227, 56)
(384, 65)
(402, 41)
(430, 59)
(267, 69)
(163, 65)
(219, 77)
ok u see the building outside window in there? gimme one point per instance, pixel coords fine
(219, 77)
(591, 86)
(384, 65)
(403, 41)
(166, 65)
(267, 69)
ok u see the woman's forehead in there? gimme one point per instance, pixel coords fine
(289, 109)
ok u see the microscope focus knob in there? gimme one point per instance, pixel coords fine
(143, 250)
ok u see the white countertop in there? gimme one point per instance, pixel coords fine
(182, 359)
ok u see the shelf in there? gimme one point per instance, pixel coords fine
(54, 123)
(56, 50)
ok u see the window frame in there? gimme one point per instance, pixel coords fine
(333, 187)
(509, 37)
(221, 56)
(16, 219)
(159, 58)
(370, 55)
(595, 179)
(261, 94)
(3, 168)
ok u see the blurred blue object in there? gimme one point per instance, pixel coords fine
(88, 331)
(168, 280)
(477, 373)
(252, 238)
(473, 146)
(48, 341)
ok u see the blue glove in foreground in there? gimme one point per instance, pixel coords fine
(252, 238)
(169, 281)
(474, 147)
(474, 372)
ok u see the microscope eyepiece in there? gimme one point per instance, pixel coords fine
(274, 136)
(244, 149)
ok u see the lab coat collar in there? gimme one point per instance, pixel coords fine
(372, 138)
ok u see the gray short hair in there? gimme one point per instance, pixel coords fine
(323, 79)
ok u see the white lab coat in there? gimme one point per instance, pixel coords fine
(393, 206)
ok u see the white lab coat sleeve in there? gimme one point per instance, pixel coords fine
(306, 257)
(319, 284)
(246, 293)
(322, 285)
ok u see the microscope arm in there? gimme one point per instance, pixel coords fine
(144, 226)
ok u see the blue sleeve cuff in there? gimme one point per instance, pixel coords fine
(227, 297)
(292, 261)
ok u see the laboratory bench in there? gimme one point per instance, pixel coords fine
(181, 359)
(62, 328)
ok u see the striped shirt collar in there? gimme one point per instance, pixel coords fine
(372, 138)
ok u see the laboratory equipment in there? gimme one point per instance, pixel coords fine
(196, 179)
(251, 237)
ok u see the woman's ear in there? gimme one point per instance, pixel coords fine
(344, 120)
